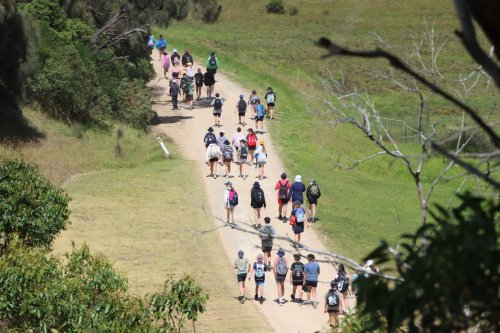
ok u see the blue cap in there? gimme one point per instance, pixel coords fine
(241, 96)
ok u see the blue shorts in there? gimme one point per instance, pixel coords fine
(259, 283)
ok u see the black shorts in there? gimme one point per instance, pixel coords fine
(312, 284)
(162, 49)
(267, 248)
(212, 71)
(252, 148)
(270, 104)
(241, 277)
(333, 311)
(297, 283)
(312, 201)
(257, 118)
(280, 278)
(241, 114)
(199, 85)
(214, 159)
(217, 114)
(226, 160)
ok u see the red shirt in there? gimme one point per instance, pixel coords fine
(282, 182)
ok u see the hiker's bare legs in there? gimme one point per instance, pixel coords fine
(312, 212)
(261, 171)
(242, 288)
(213, 168)
(257, 216)
(230, 215)
(228, 168)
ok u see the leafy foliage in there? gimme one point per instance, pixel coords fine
(450, 271)
(30, 205)
(275, 7)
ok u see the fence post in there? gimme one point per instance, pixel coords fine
(163, 147)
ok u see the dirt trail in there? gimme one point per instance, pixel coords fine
(187, 128)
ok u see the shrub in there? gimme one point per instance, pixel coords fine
(30, 205)
(275, 7)
(133, 104)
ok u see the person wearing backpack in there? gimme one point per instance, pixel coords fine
(212, 155)
(261, 158)
(298, 220)
(242, 158)
(220, 142)
(198, 79)
(242, 267)
(270, 98)
(165, 63)
(253, 101)
(257, 201)
(280, 269)
(283, 188)
(297, 277)
(189, 93)
(209, 137)
(212, 63)
(230, 201)
(217, 103)
(175, 56)
(241, 109)
(150, 44)
(161, 45)
(209, 81)
(342, 281)
(258, 269)
(227, 156)
(312, 193)
(186, 57)
(174, 93)
(297, 190)
(268, 233)
(259, 117)
(252, 144)
(332, 305)
(311, 275)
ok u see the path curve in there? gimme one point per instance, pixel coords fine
(187, 128)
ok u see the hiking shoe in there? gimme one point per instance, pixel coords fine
(285, 219)
(280, 217)
(256, 297)
(292, 296)
(261, 301)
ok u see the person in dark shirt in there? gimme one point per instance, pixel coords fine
(297, 190)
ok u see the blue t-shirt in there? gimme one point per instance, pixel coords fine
(297, 191)
(259, 111)
(311, 269)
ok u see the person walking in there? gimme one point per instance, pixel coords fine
(227, 156)
(217, 103)
(220, 142)
(257, 201)
(267, 236)
(261, 158)
(270, 98)
(237, 137)
(175, 58)
(242, 158)
(212, 63)
(189, 92)
(342, 282)
(209, 81)
(161, 45)
(150, 44)
(186, 58)
(259, 117)
(332, 305)
(165, 63)
(242, 267)
(258, 269)
(280, 269)
(298, 221)
(252, 144)
(297, 277)
(283, 187)
(312, 193)
(198, 79)
(253, 101)
(230, 201)
(209, 137)
(297, 190)
(241, 109)
(311, 275)
(212, 155)
(174, 93)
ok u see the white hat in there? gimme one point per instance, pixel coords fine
(175, 50)
(369, 262)
(298, 178)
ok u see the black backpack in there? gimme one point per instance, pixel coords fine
(212, 61)
(333, 300)
(258, 196)
(243, 152)
(217, 103)
(298, 272)
(242, 106)
(283, 191)
(210, 138)
(199, 79)
(342, 283)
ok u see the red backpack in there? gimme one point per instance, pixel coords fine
(252, 140)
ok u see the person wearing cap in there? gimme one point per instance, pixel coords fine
(252, 140)
(227, 157)
(198, 80)
(241, 109)
(175, 57)
(298, 221)
(161, 45)
(186, 58)
(270, 98)
(242, 267)
(297, 190)
(212, 63)
(209, 81)
(260, 112)
(283, 187)
(242, 158)
(217, 103)
(267, 235)
(257, 201)
(332, 305)
(261, 158)
(312, 193)
(173, 92)
(311, 275)
(209, 137)
(253, 101)
(258, 269)
(297, 277)
(212, 155)
(280, 270)
(229, 203)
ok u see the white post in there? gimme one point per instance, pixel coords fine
(165, 150)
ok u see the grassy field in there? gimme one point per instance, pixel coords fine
(378, 199)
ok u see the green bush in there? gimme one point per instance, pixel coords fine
(133, 104)
(275, 7)
(30, 205)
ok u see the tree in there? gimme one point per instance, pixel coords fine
(30, 205)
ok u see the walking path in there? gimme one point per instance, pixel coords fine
(187, 128)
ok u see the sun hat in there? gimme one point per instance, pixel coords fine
(242, 96)
(189, 64)
(260, 257)
(228, 183)
(210, 129)
(226, 142)
(298, 178)
(175, 50)
(240, 254)
(280, 253)
(256, 184)
(369, 262)
(261, 141)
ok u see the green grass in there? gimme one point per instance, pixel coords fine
(377, 200)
